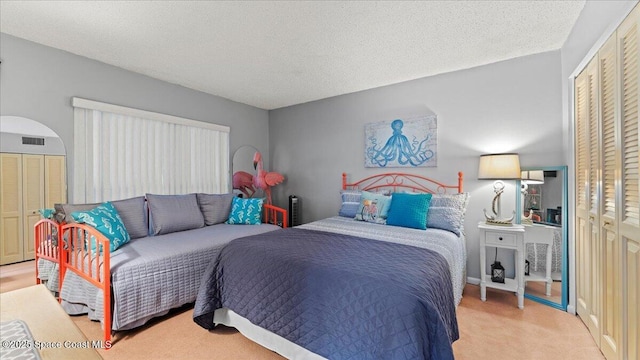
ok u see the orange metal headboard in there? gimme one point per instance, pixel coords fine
(395, 180)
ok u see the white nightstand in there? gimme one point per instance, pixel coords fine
(503, 237)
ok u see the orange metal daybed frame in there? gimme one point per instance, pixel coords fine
(92, 265)
(45, 246)
(395, 180)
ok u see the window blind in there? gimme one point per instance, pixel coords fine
(121, 152)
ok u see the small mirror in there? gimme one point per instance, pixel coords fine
(542, 202)
(242, 172)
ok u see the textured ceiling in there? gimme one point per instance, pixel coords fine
(272, 54)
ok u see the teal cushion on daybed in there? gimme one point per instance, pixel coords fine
(107, 221)
(409, 210)
(246, 211)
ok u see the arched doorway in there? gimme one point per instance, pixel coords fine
(33, 177)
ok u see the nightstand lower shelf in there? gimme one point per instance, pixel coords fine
(509, 285)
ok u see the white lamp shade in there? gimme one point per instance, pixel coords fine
(533, 177)
(499, 167)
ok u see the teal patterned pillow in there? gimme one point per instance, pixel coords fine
(373, 207)
(246, 211)
(106, 220)
(408, 210)
(47, 213)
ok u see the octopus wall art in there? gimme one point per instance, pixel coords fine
(411, 142)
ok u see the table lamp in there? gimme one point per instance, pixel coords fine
(498, 167)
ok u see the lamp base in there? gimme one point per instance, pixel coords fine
(496, 219)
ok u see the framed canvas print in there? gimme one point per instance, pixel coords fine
(407, 142)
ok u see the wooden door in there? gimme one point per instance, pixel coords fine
(33, 199)
(583, 284)
(55, 180)
(629, 190)
(611, 316)
(11, 229)
(587, 199)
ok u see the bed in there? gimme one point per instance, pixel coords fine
(342, 288)
(144, 278)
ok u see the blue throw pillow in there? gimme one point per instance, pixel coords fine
(373, 207)
(409, 210)
(350, 203)
(107, 221)
(246, 211)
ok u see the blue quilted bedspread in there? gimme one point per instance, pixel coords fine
(339, 296)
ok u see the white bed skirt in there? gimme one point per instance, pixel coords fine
(263, 337)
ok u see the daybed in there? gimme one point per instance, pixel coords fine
(350, 286)
(160, 268)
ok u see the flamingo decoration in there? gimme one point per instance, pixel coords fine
(265, 180)
(243, 181)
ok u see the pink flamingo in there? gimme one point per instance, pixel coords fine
(265, 180)
(243, 181)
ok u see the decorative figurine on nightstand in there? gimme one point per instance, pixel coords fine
(495, 219)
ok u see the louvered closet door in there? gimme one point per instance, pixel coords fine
(11, 244)
(582, 211)
(608, 217)
(594, 191)
(32, 197)
(55, 180)
(587, 239)
(629, 189)
(611, 319)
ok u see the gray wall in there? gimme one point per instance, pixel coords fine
(513, 105)
(38, 82)
(12, 143)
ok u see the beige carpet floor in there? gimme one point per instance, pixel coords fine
(495, 329)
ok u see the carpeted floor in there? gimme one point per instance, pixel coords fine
(495, 329)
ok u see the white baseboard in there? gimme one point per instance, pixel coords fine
(473, 281)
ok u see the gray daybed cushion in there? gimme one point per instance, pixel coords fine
(215, 207)
(133, 215)
(131, 211)
(171, 213)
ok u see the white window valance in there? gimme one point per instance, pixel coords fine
(121, 152)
